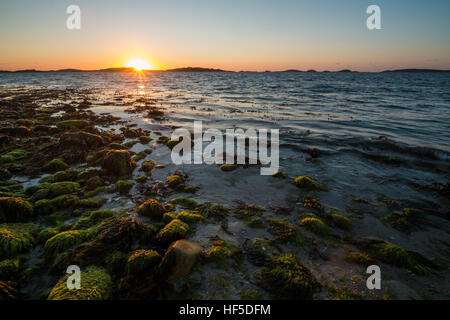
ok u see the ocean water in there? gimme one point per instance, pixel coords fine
(379, 136)
(411, 109)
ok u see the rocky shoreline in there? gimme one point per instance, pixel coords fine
(60, 166)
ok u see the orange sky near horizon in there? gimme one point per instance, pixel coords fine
(230, 35)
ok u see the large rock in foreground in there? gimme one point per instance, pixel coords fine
(95, 284)
(179, 259)
(113, 234)
(118, 162)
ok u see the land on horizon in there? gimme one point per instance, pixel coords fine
(201, 69)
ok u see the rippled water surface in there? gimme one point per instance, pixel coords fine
(410, 108)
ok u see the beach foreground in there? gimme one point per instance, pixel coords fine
(87, 180)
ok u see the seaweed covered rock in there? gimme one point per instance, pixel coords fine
(72, 124)
(223, 254)
(141, 179)
(64, 202)
(308, 183)
(16, 238)
(81, 140)
(401, 257)
(142, 261)
(287, 278)
(260, 252)
(341, 221)
(33, 189)
(147, 166)
(14, 209)
(46, 234)
(63, 241)
(179, 259)
(118, 162)
(94, 183)
(184, 202)
(10, 188)
(13, 156)
(91, 218)
(66, 175)
(359, 258)
(130, 144)
(140, 155)
(151, 208)
(315, 225)
(174, 230)
(174, 181)
(407, 220)
(112, 234)
(56, 165)
(96, 284)
(285, 232)
(92, 202)
(145, 139)
(89, 173)
(61, 188)
(124, 186)
(213, 210)
(190, 217)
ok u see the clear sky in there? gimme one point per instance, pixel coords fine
(228, 34)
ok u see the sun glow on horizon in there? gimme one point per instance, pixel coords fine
(139, 64)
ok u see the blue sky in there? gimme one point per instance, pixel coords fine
(233, 35)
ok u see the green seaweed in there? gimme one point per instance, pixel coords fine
(56, 165)
(142, 261)
(63, 241)
(308, 183)
(286, 277)
(151, 208)
(16, 238)
(96, 284)
(124, 186)
(174, 230)
(315, 225)
(13, 156)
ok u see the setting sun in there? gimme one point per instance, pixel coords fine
(139, 64)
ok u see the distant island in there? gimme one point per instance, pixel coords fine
(122, 69)
(195, 69)
(419, 70)
(199, 69)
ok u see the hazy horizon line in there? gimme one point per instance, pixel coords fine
(207, 69)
